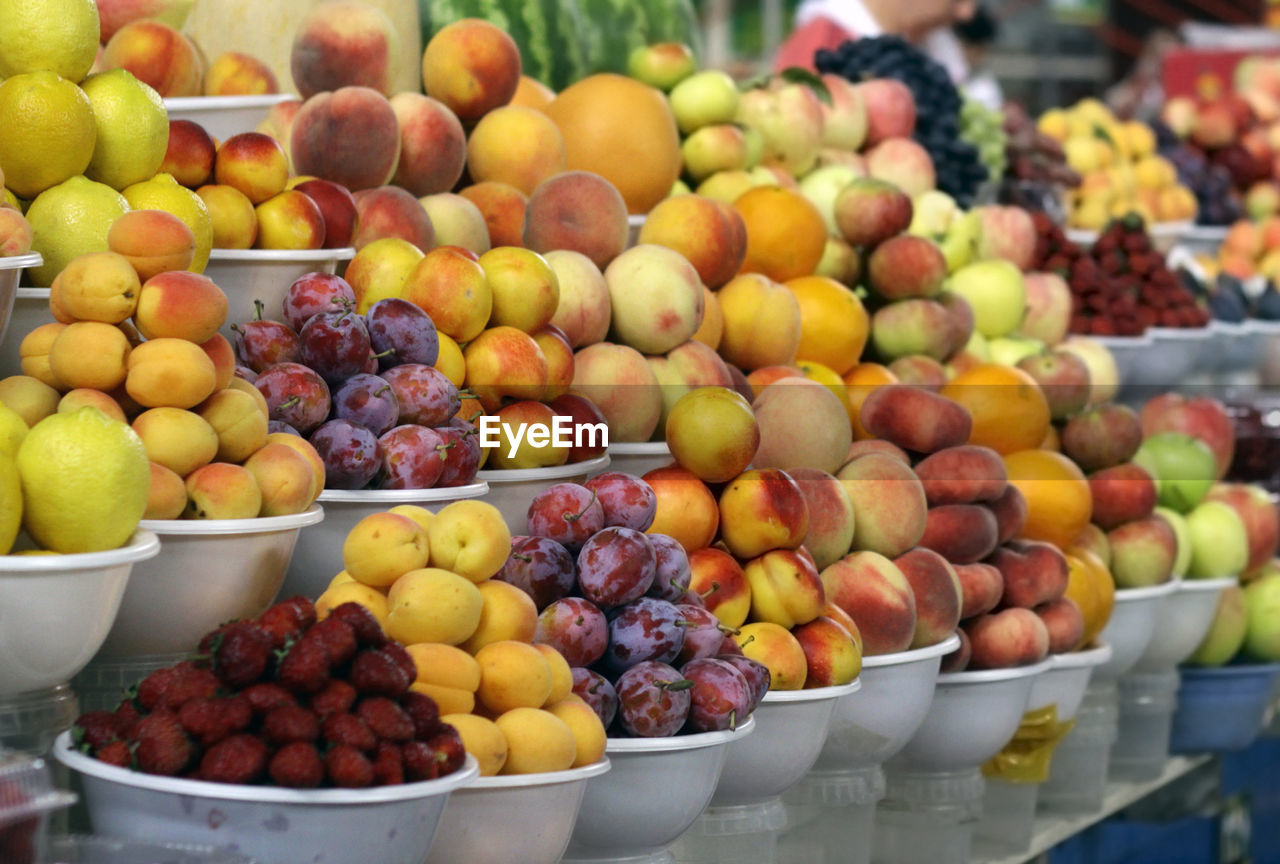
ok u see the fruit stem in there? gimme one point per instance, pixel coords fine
(258, 306)
(290, 402)
(574, 517)
(674, 686)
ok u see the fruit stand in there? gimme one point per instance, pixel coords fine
(476, 433)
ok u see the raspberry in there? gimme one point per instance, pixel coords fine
(385, 718)
(151, 689)
(388, 766)
(305, 669)
(424, 713)
(337, 697)
(115, 753)
(188, 682)
(448, 749)
(350, 730)
(374, 673)
(209, 720)
(419, 761)
(267, 696)
(337, 637)
(348, 768)
(238, 759)
(97, 729)
(297, 766)
(243, 655)
(163, 748)
(367, 629)
(290, 723)
(396, 652)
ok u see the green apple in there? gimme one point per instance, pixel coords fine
(995, 291)
(1262, 599)
(1226, 633)
(822, 185)
(1219, 544)
(979, 347)
(1008, 350)
(932, 214)
(1182, 466)
(704, 99)
(712, 149)
(663, 65)
(679, 188)
(961, 241)
(1179, 526)
(755, 146)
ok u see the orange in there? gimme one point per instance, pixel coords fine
(833, 323)
(860, 381)
(1008, 407)
(1059, 503)
(532, 93)
(785, 233)
(624, 131)
(1090, 585)
(1052, 440)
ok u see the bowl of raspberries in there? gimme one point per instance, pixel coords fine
(286, 738)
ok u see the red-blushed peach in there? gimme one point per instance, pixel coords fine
(719, 580)
(766, 375)
(525, 288)
(344, 43)
(457, 222)
(515, 145)
(761, 510)
(1010, 510)
(289, 220)
(888, 504)
(579, 211)
(687, 511)
(234, 74)
(958, 660)
(451, 287)
(938, 597)
(622, 385)
(381, 270)
(502, 362)
(433, 145)
(1122, 493)
(224, 360)
(831, 655)
(920, 371)
(533, 93)
(1007, 639)
(712, 432)
(279, 123)
(231, 215)
(471, 66)
(1034, 572)
(16, 234)
(981, 588)
(962, 475)
(785, 588)
(821, 441)
(775, 648)
(153, 241)
(915, 419)
(555, 347)
(960, 533)
(711, 330)
(525, 453)
(189, 156)
(337, 206)
(180, 305)
(389, 211)
(254, 163)
(688, 367)
(1065, 623)
(584, 309)
(872, 591)
(761, 322)
(350, 136)
(502, 206)
(709, 233)
(875, 445)
(904, 163)
(158, 56)
(167, 494)
(656, 298)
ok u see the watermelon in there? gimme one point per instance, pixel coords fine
(672, 21)
(614, 29)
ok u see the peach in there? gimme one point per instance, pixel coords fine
(524, 453)
(153, 241)
(888, 504)
(656, 298)
(34, 353)
(179, 440)
(452, 288)
(981, 588)
(555, 347)
(180, 305)
(235, 74)
(290, 220)
(502, 206)
(761, 322)
(915, 419)
(618, 380)
(505, 362)
(820, 441)
(711, 330)
(832, 655)
(303, 447)
(920, 371)
(89, 354)
(73, 400)
(1065, 623)
(222, 491)
(762, 510)
(167, 495)
(962, 475)
(779, 651)
(1012, 637)
(721, 583)
(344, 43)
(219, 350)
(785, 588)
(709, 233)
(382, 269)
(284, 477)
(253, 163)
(1122, 493)
(533, 93)
(337, 206)
(1034, 572)
(389, 211)
(580, 211)
(960, 533)
(525, 288)
(688, 367)
(433, 145)
(457, 222)
(471, 66)
(872, 591)
(158, 56)
(16, 234)
(687, 511)
(279, 123)
(350, 136)
(99, 286)
(938, 596)
(584, 309)
(239, 425)
(712, 432)
(514, 145)
(232, 215)
(766, 375)
(33, 400)
(904, 163)
(169, 372)
(831, 516)
(875, 445)
(190, 154)
(1010, 510)
(958, 660)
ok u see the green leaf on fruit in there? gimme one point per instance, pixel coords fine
(800, 75)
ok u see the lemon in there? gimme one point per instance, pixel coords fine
(85, 479)
(12, 430)
(162, 192)
(48, 131)
(133, 129)
(56, 35)
(10, 503)
(71, 219)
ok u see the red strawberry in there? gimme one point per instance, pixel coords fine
(303, 608)
(97, 729)
(209, 720)
(163, 748)
(385, 718)
(448, 749)
(337, 637)
(282, 623)
(367, 629)
(337, 697)
(375, 673)
(268, 695)
(151, 689)
(305, 669)
(419, 761)
(424, 713)
(350, 730)
(211, 639)
(397, 652)
(297, 766)
(388, 766)
(188, 682)
(238, 759)
(243, 655)
(290, 723)
(115, 753)
(348, 768)
(128, 715)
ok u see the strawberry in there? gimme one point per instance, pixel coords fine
(163, 747)
(151, 689)
(419, 761)
(337, 637)
(350, 730)
(367, 629)
(290, 723)
(397, 652)
(305, 668)
(303, 608)
(188, 682)
(337, 697)
(97, 729)
(242, 656)
(282, 623)
(348, 768)
(424, 713)
(209, 720)
(297, 766)
(268, 695)
(127, 713)
(448, 749)
(238, 759)
(385, 718)
(388, 766)
(115, 753)
(213, 637)
(375, 673)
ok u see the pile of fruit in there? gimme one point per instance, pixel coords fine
(1218, 202)
(1037, 165)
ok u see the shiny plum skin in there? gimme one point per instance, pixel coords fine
(262, 344)
(400, 333)
(653, 700)
(720, 697)
(281, 426)
(315, 293)
(412, 457)
(296, 395)
(426, 397)
(702, 633)
(644, 629)
(671, 574)
(461, 453)
(540, 567)
(369, 401)
(576, 628)
(582, 412)
(567, 513)
(335, 344)
(754, 672)
(351, 454)
(595, 689)
(245, 372)
(615, 567)
(628, 501)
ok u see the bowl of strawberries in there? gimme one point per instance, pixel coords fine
(286, 739)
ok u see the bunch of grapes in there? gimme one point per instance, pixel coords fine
(960, 169)
(983, 127)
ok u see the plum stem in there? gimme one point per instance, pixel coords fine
(386, 353)
(574, 517)
(290, 402)
(521, 557)
(674, 686)
(733, 719)
(726, 629)
(258, 306)
(385, 387)
(747, 641)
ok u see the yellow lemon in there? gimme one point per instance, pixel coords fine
(10, 502)
(12, 430)
(48, 131)
(162, 192)
(69, 220)
(56, 35)
(133, 129)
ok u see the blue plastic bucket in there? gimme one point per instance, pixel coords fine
(1222, 709)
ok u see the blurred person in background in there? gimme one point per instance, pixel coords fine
(977, 36)
(1140, 94)
(826, 24)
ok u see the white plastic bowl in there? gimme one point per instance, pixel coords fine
(246, 275)
(1132, 624)
(224, 116)
(10, 273)
(512, 490)
(1128, 352)
(207, 573)
(639, 458)
(55, 610)
(1066, 681)
(30, 309)
(634, 223)
(318, 558)
(973, 715)
(655, 789)
(1182, 621)
(1237, 347)
(282, 826)
(1203, 238)
(527, 818)
(791, 726)
(1164, 235)
(872, 725)
(1198, 342)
